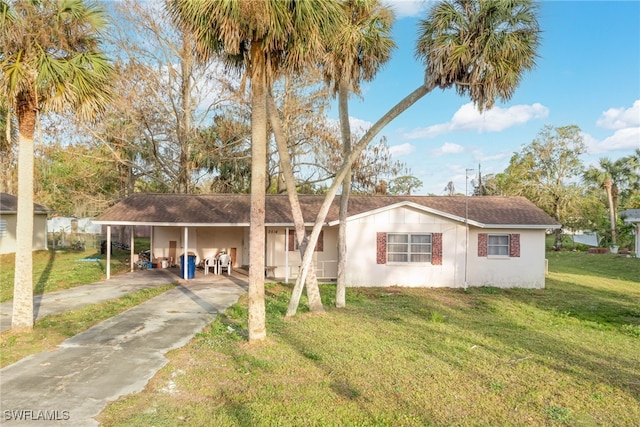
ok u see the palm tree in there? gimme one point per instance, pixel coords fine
(610, 176)
(358, 50)
(481, 47)
(50, 61)
(265, 39)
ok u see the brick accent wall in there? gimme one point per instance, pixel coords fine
(436, 249)
(514, 245)
(483, 244)
(381, 248)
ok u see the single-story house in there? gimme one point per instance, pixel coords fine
(632, 216)
(432, 241)
(8, 219)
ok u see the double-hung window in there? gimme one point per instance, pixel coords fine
(3, 228)
(408, 247)
(498, 245)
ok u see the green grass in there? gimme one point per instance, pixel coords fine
(56, 270)
(565, 355)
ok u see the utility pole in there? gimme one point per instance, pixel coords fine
(466, 223)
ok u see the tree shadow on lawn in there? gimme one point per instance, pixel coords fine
(477, 318)
(38, 289)
(570, 299)
(598, 265)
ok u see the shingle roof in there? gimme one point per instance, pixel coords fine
(9, 205)
(234, 209)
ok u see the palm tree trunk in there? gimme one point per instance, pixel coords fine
(257, 313)
(22, 317)
(184, 127)
(394, 112)
(345, 130)
(313, 291)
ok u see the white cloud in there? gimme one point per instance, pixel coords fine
(467, 118)
(358, 125)
(402, 149)
(448, 148)
(622, 139)
(405, 8)
(620, 118)
(480, 156)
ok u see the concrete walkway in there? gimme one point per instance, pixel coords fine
(94, 293)
(74, 383)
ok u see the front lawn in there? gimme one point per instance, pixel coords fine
(54, 270)
(565, 355)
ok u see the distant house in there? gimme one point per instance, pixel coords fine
(632, 216)
(8, 217)
(391, 240)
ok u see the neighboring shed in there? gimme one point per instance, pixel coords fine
(391, 240)
(632, 216)
(8, 217)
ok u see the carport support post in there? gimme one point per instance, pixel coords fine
(108, 252)
(131, 251)
(286, 255)
(185, 254)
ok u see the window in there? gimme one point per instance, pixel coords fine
(498, 245)
(3, 228)
(409, 247)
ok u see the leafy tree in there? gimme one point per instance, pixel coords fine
(619, 180)
(267, 38)
(631, 194)
(225, 152)
(76, 179)
(544, 172)
(8, 152)
(404, 185)
(609, 176)
(480, 47)
(50, 61)
(165, 97)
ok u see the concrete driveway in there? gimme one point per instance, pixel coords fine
(73, 383)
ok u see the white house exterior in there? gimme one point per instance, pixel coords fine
(632, 216)
(391, 240)
(458, 259)
(8, 219)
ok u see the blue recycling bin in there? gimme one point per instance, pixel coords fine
(191, 267)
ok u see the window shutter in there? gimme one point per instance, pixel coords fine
(320, 242)
(436, 248)
(292, 240)
(483, 244)
(293, 246)
(514, 245)
(381, 248)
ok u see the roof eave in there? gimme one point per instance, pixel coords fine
(523, 226)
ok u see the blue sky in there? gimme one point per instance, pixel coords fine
(588, 74)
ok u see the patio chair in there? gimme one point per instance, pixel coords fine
(210, 263)
(224, 262)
